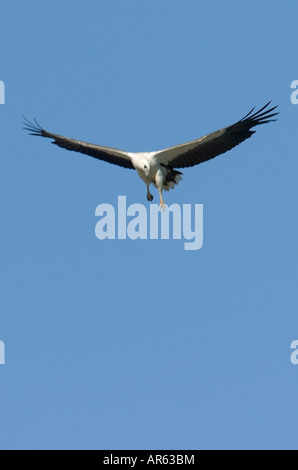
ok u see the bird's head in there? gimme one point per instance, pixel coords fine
(145, 165)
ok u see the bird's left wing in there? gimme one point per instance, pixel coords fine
(211, 145)
(108, 154)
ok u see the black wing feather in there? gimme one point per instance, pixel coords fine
(216, 143)
(107, 154)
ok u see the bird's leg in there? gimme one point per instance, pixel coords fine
(149, 195)
(161, 201)
(159, 184)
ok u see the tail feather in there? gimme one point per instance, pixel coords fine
(173, 178)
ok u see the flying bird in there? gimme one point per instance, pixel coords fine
(160, 167)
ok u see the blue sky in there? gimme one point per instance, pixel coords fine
(139, 344)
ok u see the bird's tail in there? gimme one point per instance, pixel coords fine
(173, 178)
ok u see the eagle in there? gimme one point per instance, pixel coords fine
(160, 168)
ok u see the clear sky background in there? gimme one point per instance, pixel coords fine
(140, 344)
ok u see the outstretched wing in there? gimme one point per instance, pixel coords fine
(211, 145)
(111, 155)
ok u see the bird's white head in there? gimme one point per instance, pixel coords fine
(145, 166)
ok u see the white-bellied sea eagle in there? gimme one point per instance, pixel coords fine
(159, 167)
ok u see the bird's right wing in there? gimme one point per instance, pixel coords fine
(107, 154)
(216, 143)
